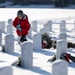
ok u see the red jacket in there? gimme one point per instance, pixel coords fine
(25, 26)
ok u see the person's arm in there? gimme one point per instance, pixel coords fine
(16, 25)
(15, 22)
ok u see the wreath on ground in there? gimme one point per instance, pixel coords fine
(17, 62)
(65, 56)
(48, 43)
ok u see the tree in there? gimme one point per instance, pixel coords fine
(62, 3)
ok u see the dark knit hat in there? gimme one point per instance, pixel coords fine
(20, 13)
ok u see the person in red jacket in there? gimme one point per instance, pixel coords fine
(22, 25)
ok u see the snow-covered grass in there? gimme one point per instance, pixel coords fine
(42, 15)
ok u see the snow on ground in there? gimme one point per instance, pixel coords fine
(42, 15)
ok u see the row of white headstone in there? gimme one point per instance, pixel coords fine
(47, 28)
(34, 27)
(6, 70)
(60, 67)
(27, 52)
(9, 26)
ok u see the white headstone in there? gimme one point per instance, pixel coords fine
(50, 25)
(27, 54)
(63, 36)
(46, 27)
(61, 48)
(10, 29)
(34, 25)
(63, 24)
(19, 37)
(30, 33)
(0, 37)
(43, 30)
(6, 71)
(74, 24)
(10, 21)
(60, 67)
(2, 26)
(9, 43)
(62, 30)
(37, 43)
